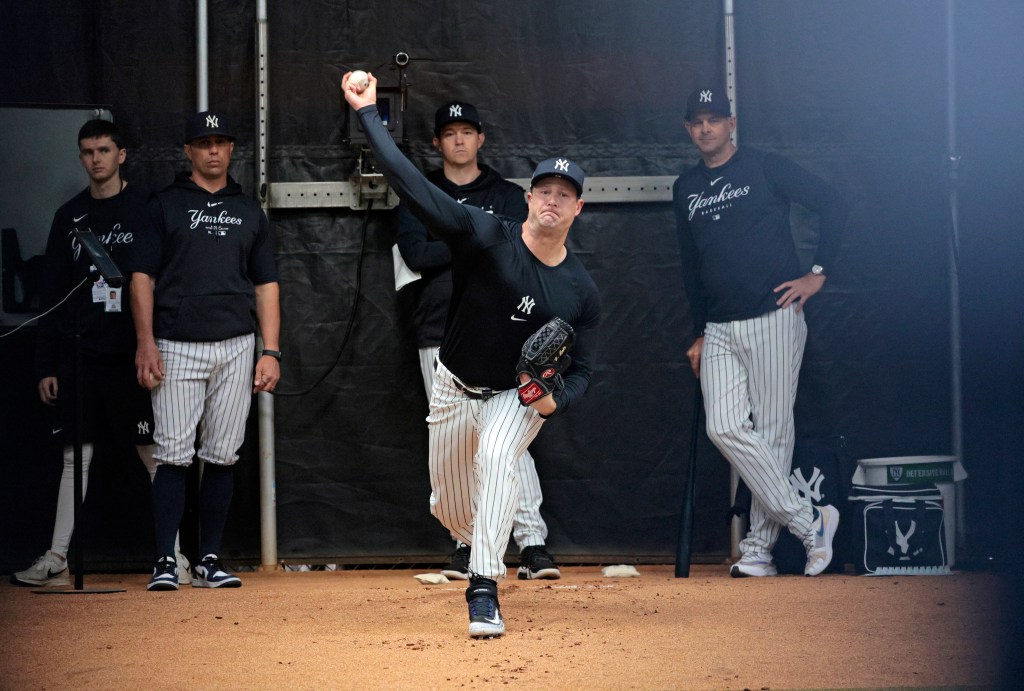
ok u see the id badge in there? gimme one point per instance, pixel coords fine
(100, 291)
(113, 299)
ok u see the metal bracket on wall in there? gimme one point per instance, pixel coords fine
(355, 194)
(616, 190)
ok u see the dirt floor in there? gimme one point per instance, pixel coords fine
(364, 629)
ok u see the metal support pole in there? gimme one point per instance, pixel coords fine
(265, 401)
(202, 58)
(956, 367)
(737, 529)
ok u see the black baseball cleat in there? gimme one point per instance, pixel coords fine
(484, 613)
(458, 569)
(535, 562)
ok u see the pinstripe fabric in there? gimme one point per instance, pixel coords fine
(207, 382)
(474, 446)
(528, 527)
(749, 373)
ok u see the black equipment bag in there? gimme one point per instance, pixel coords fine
(899, 529)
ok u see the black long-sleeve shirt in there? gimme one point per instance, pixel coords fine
(426, 254)
(117, 222)
(501, 292)
(734, 235)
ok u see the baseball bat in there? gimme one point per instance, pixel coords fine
(685, 546)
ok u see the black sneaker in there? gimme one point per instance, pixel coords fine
(535, 562)
(210, 574)
(484, 613)
(165, 575)
(458, 569)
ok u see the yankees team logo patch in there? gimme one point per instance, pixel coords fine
(455, 111)
(211, 121)
(705, 96)
(526, 306)
(562, 165)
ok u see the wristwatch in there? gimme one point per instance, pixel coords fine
(817, 270)
(276, 354)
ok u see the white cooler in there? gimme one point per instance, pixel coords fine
(944, 471)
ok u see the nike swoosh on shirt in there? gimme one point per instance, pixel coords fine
(76, 220)
(715, 181)
(517, 319)
(209, 204)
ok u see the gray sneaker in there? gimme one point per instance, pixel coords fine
(756, 568)
(48, 569)
(823, 531)
(184, 568)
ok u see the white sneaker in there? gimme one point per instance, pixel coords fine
(823, 530)
(757, 568)
(48, 569)
(184, 568)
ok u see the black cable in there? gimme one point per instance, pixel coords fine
(352, 316)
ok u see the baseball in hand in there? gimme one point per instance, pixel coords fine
(360, 80)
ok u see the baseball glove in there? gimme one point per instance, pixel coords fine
(544, 358)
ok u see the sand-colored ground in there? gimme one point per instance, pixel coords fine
(364, 629)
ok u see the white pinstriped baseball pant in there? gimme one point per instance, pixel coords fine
(474, 447)
(528, 527)
(207, 385)
(749, 374)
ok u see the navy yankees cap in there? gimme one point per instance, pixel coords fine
(559, 168)
(712, 100)
(205, 124)
(456, 111)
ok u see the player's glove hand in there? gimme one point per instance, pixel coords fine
(544, 358)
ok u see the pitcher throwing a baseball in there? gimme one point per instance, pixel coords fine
(509, 280)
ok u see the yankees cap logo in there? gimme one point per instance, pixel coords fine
(455, 111)
(562, 165)
(705, 96)
(211, 121)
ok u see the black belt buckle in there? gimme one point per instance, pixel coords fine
(475, 394)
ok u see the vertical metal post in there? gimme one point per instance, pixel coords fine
(736, 527)
(202, 58)
(956, 368)
(265, 401)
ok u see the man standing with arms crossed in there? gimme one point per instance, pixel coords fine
(509, 279)
(746, 295)
(202, 281)
(458, 136)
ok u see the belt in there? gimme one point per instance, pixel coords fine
(474, 393)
